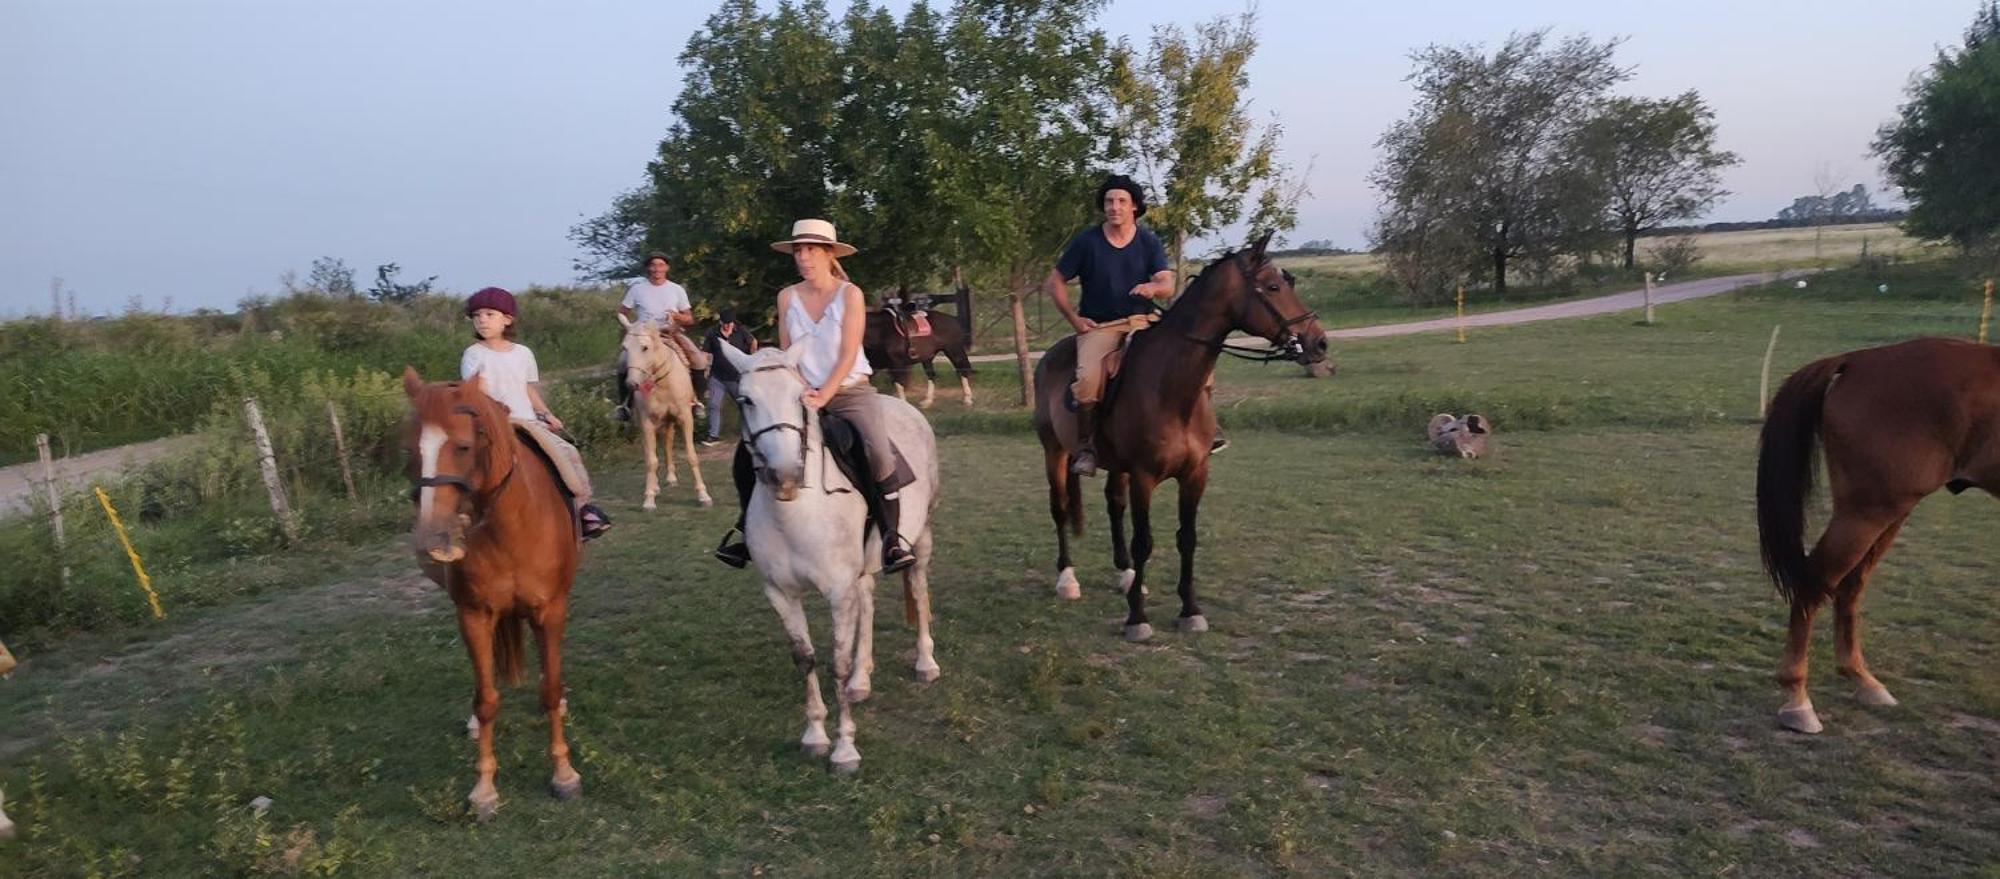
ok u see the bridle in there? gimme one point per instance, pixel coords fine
(459, 480)
(800, 427)
(1289, 346)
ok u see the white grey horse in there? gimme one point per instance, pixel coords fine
(805, 531)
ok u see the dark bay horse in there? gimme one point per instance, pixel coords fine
(888, 346)
(1897, 423)
(494, 527)
(1155, 422)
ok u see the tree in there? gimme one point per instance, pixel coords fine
(1183, 116)
(969, 138)
(1943, 150)
(1484, 164)
(332, 277)
(1657, 161)
(388, 289)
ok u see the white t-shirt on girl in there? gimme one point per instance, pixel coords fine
(508, 374)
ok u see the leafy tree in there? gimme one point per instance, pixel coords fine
(1183, 115)
(1484, 170)
(332, 277)
(1943, 150)
(1657, 161)
(388, 289)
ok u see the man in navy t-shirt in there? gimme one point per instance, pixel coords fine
(1122, 269)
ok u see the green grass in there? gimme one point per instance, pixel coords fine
(1554, 660)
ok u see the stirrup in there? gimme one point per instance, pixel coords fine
(735, 555)
(897, 558)
(595, 521)
(1083, 462)
(623, 412)
(1221, 442)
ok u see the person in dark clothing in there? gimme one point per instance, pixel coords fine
(722, 376)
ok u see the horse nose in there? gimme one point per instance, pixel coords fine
(788, 491)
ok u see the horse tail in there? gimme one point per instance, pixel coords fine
(1787, 464)
(909, 602)
(962, 296)
(508, 646)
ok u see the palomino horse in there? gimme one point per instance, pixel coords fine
(663, 398)
(889, 347)
(807, 530)
(1156, 423)
(496, 530)
(1898, 422)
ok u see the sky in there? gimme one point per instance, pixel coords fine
(186, 154)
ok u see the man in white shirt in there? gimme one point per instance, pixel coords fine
(665, 303)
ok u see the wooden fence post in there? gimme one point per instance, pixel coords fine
(1021, 345)
(340, 449)
(1649, 299)
(55, 501)
(1986, 311)
(1764, 384)
(1461, 314)
(267, 461)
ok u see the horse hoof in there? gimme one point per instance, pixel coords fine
(1067, 588)
(1876, 696)
(816, 750)
(1140, 632)
(858, 694)
(847, 767)
(1125, 578)
(1196, 623)
(483, 811)
(1800, 719)
(649, 506)
(928, 675)
(472, 727)
(705, 501)
(567, 791)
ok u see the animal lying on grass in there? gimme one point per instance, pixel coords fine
(1464, 437)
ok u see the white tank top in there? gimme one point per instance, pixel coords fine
(821, 340)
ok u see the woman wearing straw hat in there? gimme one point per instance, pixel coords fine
(824, 314)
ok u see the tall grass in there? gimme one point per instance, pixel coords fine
(94, 384)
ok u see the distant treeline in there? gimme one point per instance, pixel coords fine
(1860, 219)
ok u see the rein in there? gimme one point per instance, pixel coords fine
(460, 482)
(802, 428)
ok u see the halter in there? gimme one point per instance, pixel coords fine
(653, 377)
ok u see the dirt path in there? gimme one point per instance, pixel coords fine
(1609, 304)
(20, 483)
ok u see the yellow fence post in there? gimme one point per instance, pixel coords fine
(1461, 314)
(1986, 311)
(145, 582)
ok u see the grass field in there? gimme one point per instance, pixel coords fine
(1552, 661)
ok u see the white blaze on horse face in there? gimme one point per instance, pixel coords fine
(429, 442)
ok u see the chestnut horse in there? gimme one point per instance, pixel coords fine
(496, 530)
(1898, 423)
(1155, 422)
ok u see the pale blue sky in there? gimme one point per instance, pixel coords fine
(195, 150)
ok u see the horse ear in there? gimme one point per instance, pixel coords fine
(795, 355)
(737, 359)
(412, 382)
(1263, 241)
(624, 321)
(1477, 424)
(477, 384)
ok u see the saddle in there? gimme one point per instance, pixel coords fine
(842, 442)
(560, 455)
(911, 320)
(1113, 361)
